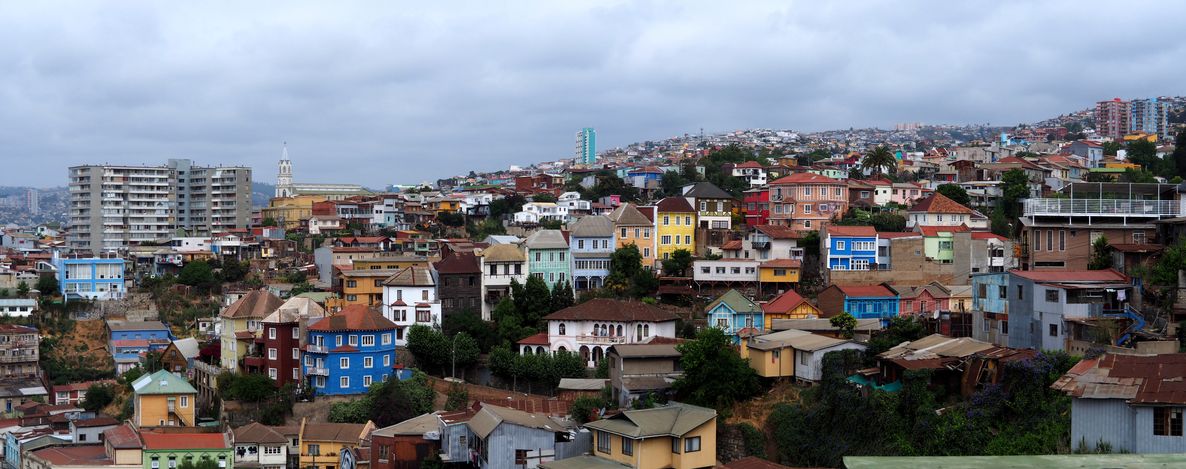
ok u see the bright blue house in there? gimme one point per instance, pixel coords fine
(851, 247)
(592, 245)
(735, 314)
(128, 341)
(862, 302)
(93, 278)
(350, 350)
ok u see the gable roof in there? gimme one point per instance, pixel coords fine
(336, 432)
(675, 205)
(605, 309)
(629, 215)
(736, 302)
(255, 304)
(806, 178)
(796, 339)
(503, 253)
(415, 426)
(933, 231)
(865, 290)
(645, 350)
(787, 301)
(188, 347)
(165, 441)
(413, 276)
(162, 382)
(674, 419)
(256, 432)
(1138, 379)
(353, 318)
(546, 239)
(939, 203)
(593, 226)
(458, 263)
(490, 417)
(294, 309)
(707, 190)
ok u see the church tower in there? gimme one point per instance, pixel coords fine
(284, 178)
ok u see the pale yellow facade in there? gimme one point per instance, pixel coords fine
(657, 452)
(804, 310)
(774, 363)
(290, 211)
(232, 348)
(156, 410)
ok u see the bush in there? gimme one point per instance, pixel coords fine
(98, 396)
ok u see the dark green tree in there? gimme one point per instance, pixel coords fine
(999, 224)
(22, 289)
(900, 329)
(47, 285)
(430, 348)
(543, 197)
(197, 274)
(196, 463)
(679, 263)
(1179, 154)
(1101, 254)
(1111, 148)
(268, 222)
(1015, 186)
(714, 374)
(484, 333)
(97, 397)
(956, 193)
(234, 271)
(561, 296)
(537, 301)
(844, 323)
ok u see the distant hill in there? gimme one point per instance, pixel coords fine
(261, 193)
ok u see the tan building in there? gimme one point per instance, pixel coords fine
(674, 436)
(631, 226)
(289, 212)
(163, 399)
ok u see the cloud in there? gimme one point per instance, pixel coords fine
(380, 93)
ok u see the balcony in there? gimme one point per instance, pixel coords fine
(253, 362)
(316, 348)
(601, 339)
(1101, 207)
(313, 371)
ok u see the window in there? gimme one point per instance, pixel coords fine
(1002, 292)
(1004, 327)
(1049, 240)
(1167, 421)
(386, 361)
(945, 245)
(351, 297)
(1062, 240)
(603, 442)
(688, 221)
(344, 382)
(1051, 295)
(271, 332)
(687, 239)
(387, 339)
(807, 190)
(666, 220)
(271, 354)
(675, 445)
(296, 333)
(272, 373)
(366, 381)
(806, 209)
(840, 245)
(344, 362)
(1054, 330)
(627, 446)
(623, 233)
(802, 358)
(1020, 292)
(314, 449)
(353, 340)
(665, 239)
(368, 340)
(184, 402)
(692, 445)
(296, 354)
(580, 244)
(561, 328)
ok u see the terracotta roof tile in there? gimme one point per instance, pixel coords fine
(781, 264)
(865, 291)
(255, 304)
(675, 205)
(779, 232)
(806, 178)
(939, 203)
(353, 318)
(537, 339)
(604, 309)
(841, 230)
(154, 441)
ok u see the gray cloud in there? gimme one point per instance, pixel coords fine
(380, 93)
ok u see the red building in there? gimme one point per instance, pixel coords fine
(757, 207)
(280, 341)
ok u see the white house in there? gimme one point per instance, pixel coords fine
(752, 172)
(938, 210)
(592, 327)
(17, 307)
(536, 212)
(501, 264)
(410, 298)
(261, 446)
(725, 270)
(319, 224)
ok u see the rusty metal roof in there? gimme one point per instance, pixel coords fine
(1138, 379)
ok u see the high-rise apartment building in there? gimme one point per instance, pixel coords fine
(1150, 116)
(586, 146)
(113, 207)
(1112, 118)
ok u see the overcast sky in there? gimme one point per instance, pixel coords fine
(380, 93)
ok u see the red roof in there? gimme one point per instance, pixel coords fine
(806, 178)
(785, 302)
(158, 441)
(675, 205)
(865, 291)
(779, 232)
(75, 455)
(939, 203)
(987, 235)
(353, 318)
(537, 339)
(1108, 275)
(243, 335)
(932, 231)
(895, 234)
(130, 343)
(605, 309)
(782, 264)
(458, 263)
(840, 230)
(749, 164)
(731, 245)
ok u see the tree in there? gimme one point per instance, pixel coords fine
(887, 221)
(1101, 254)
(463, 351)
(880, 160)
(234, 271)
(1179, 154)
(97, 397)
(268, 222)
(1111, 148)
(714, 374)
(430, 348)
(458, 398)
(678, 264)
(956, 193)
(999, 224)
(561, 296)
(47, 285)
(1015, 186)
(469, 321)
(197, 274)
(671, 182)
(299, 288)
(844, 323)
(451, 219)
(247, 387)
(1137, 176)
(536, 302)
(900, 329)
(543, 197)
(22, 289)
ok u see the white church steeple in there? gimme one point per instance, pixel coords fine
(284, 178)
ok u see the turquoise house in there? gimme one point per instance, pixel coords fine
(737, 315)
(548, 257)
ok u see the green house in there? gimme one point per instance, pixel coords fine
(164, 450)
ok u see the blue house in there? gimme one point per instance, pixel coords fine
(93, 278)
(735, 314)
(350, 350)
(592, 245)
(990, 308)
(129, 341)
(862, 302)
(851, 247)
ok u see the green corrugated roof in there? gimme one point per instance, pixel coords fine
(162, 382)
(737, 302)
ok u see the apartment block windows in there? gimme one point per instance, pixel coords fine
(1062, 240)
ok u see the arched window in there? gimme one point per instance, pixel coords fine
(605, 330)
(561, 328)
(619, 331)
(539, 350)
(638, 332)
(646, 330)
(596, 331)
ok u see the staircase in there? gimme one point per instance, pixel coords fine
(1138, 323)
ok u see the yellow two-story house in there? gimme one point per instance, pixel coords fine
(674, 436)
(675, 223)
(778, 274)
(788, 305)
(321, 444)
(163, 399)
(288, 212)
(240, 321)
(631, 226)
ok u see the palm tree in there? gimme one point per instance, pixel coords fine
(879, 158)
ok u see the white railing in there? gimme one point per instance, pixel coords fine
(601, 339)
(315, 348)
(318, 372)
(1102, 207)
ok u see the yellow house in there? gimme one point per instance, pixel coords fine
(322, 443)
(960, 298)
(443, 204)
(364, 287)
(779, 271)
(240, 322)
(123, 446)
(675, 222)
(631, 226)
(163, 399)
(672, 436)
(290, 211)
(788, 305)
(793, 354)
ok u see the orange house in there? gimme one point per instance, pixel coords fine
(788, 305)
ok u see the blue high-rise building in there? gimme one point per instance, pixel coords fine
(587, 146)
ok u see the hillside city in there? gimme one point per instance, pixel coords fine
(932, 295)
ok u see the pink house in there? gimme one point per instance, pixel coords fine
(926, 300)
(906, 193)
